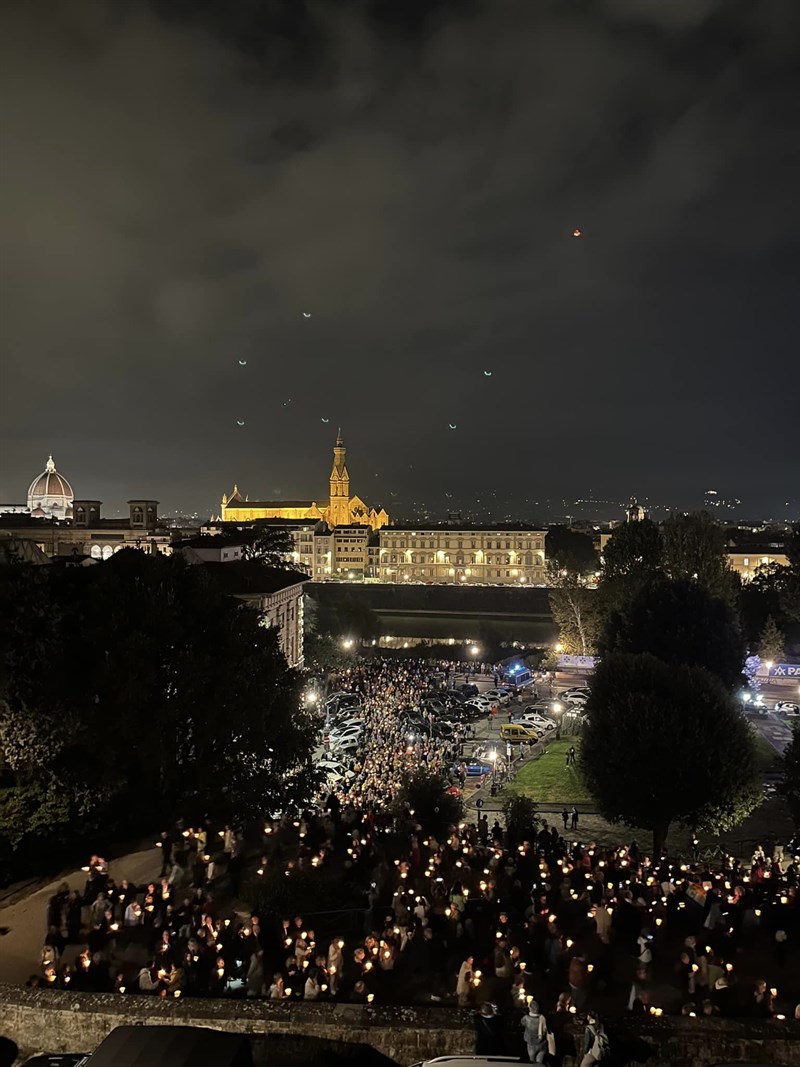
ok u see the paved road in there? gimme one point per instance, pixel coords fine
(20, 948)
(774, 728)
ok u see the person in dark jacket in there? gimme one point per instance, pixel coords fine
(489, 1032)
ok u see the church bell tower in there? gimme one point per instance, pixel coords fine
(339, 509)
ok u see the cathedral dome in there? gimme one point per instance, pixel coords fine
(50, 493)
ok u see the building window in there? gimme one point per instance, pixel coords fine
(746, 561)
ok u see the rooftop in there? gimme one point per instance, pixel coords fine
(489, 527)
(252, 578)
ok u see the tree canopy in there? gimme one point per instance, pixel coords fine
(790, 775)
(665, 744)
(570, 551)
(634, 550)
(682, 624)
(577, 613)
(770, 642)
(272, 545)
(137, 683)
(694, 546)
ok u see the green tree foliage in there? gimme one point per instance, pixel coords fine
(570, 551)
(790, 775)
(695, 547)
(770, 642)
(138, 683)
(793, 548)
(522, 820)
(633, 552)
(665, 744)
(632, 557)
(324, 653)
(790, 594)
(426, 795)
(271, 545)
(682, 624)
(577, 614)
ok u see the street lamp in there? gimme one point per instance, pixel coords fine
(347, 642)
(559, 647)
(474, 650)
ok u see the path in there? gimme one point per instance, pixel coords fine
(21, 947)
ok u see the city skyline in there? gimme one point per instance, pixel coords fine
(575, 272)
(489, 506)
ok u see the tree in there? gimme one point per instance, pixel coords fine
(634, 551)
(576, 612)
(682, 624)
(522, 820)
(272, 545)
(790, 775)
(426, 797)
(571, 551)
(138, 683)
(770, 643)
(695, 547)
(632, 557)
(665, 744)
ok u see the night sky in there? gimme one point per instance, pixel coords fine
(182, 181)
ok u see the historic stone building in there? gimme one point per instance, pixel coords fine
(277, 596)
(341, 509)
(506, 554)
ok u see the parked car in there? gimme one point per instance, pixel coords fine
(787, 708)
(483, 702)
(468, 688)
(476, 769)
(576, 700)
(538, 722)
(498, 696)
(514, 731)
(345, 744)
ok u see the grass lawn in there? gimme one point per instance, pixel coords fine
(548, 779)
(766, 756)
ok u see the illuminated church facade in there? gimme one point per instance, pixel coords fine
(341, 509)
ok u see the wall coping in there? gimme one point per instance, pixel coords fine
(309, 1017)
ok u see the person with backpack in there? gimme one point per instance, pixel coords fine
(596, 1046)
(538, 1039)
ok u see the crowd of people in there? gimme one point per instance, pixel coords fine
(532, 931)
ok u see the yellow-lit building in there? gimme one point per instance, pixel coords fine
(747, 561)
(506, 554)
(340, 509)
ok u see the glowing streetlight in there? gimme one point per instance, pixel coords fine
(474, 650)
(559, 647)
(347, 642)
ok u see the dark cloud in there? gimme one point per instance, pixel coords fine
(182, 181)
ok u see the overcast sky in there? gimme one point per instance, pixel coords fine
(181, 182)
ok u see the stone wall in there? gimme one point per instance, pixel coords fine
(50, 1021)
